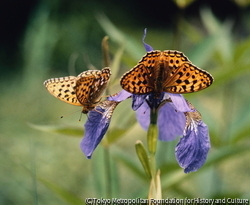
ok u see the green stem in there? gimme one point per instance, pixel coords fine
(105, 51)
(108, 172)
(152, 136)
(33, 170)
(148, 159)
(152, 132)
(108, 169)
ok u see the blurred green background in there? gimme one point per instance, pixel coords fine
(41, 162)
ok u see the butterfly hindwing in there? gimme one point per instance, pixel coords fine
(138, 80)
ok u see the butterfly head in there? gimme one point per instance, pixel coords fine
(85, 111)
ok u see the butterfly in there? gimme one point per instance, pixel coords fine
(165, 71)
(82, 90)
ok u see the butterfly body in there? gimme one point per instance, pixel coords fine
(165, 71)
(83, 90)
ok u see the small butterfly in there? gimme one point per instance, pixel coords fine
(82, 90)
(165, 71)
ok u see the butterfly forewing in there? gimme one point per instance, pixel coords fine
(167, 71)
(63, 89)
(138, 80)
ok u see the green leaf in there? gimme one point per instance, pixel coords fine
(201, 53)
(114, 134)
(105, 51)
(60, 129)
(134, 47)
(183, 3)
(232, 73)
(241, 134)
(173, 178)
(143, 157)
(155, 187)
(224, 153)
(62, 193)
(116, 62)
(129, 162)
(211, 23)
(242, 52)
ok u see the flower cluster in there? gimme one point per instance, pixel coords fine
(176, 117)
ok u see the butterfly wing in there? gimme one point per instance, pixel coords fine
(187, 78)
(182, 76)
(90, 85)
(167, 71)
(138, 80)
(141, 78)
(63, 89)
(174, 58)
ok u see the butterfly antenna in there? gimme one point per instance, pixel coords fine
(69, 114)
(80, 119)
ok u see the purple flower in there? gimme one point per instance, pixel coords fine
(191, 151)
(98, 122)
(176, 117)
(171, 120)
(96, 126)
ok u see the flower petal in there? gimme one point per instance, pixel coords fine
(142, 105)
(137, 101)
(143, 115)
(192, 149)
(122, 95)
(155, 100)
(96, 126)
(146, 46)
(180, 102)
(170, 122)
